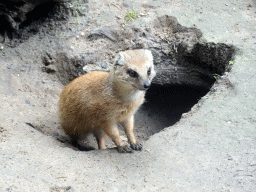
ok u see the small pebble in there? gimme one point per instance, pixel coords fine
(56, 134)
(104, 66)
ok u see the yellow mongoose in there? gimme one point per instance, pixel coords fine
(98, 101)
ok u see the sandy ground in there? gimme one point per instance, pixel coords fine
(212, 148)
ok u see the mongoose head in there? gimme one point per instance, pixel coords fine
(134, 68)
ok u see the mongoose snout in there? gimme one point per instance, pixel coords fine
(147, 85)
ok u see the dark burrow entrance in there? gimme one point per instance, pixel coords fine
(164, 107)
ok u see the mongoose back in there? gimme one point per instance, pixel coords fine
(98, 101)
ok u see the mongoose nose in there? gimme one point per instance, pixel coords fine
(146, 85)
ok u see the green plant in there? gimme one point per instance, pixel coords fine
(3, 46)
(131, 15)
(123, 23)
(72, 6)
(157, 61)
(171, 53)
(75, 7)
(215, 77)
(231, 62)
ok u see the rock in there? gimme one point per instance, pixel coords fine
(56, 134)
(91, 67)
(49, 69)
(47, 59)
(67, 68)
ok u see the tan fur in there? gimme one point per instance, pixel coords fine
(98, 101)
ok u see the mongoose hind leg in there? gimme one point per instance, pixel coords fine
(128, 127)
(99, 134)
(113, 133)
(74, 140)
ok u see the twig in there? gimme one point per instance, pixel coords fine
(63, 177)
(47, 168)
(19, 55)
(30, 125)
(116, 6)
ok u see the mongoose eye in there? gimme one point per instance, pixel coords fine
(132, 73)
(149, 71)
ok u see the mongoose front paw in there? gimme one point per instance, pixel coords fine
(124, 149)
(137, 147)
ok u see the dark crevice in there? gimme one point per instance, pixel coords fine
(45, 18)
(4, 26)
(11, 5)
(39, 13)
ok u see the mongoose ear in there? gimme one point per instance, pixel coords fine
(149, 55)
(119, 60)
